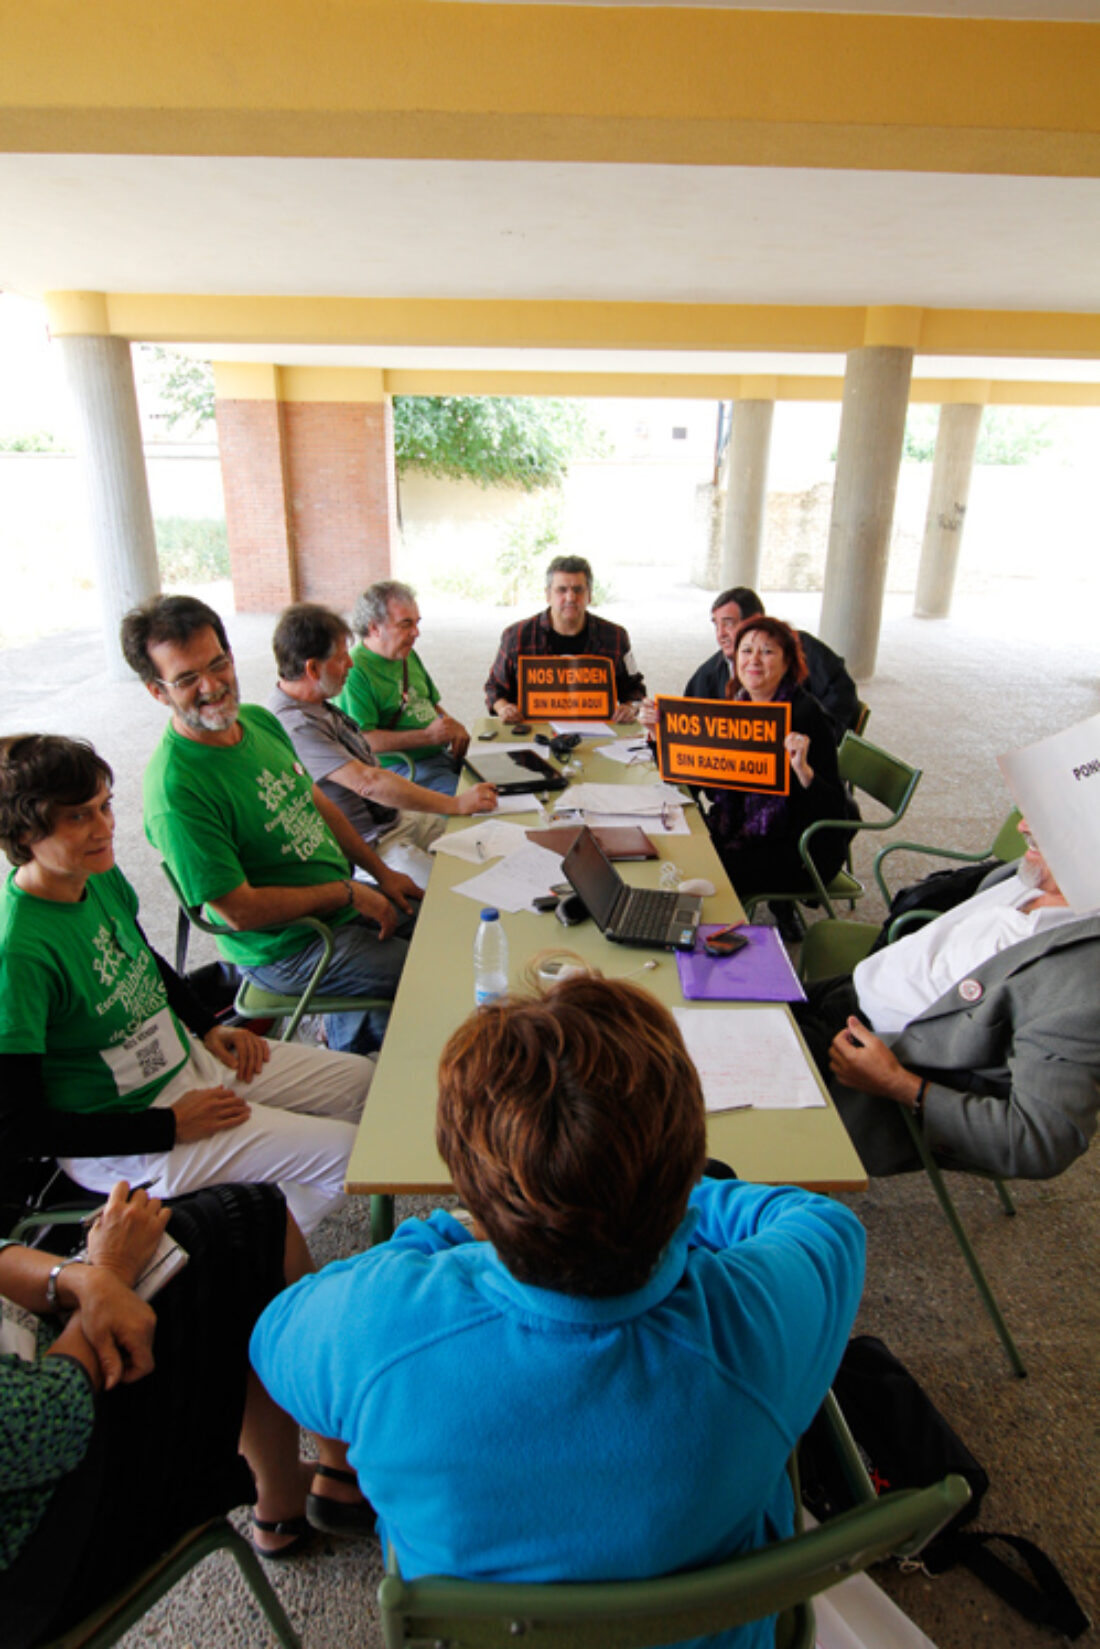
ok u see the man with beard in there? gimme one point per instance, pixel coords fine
(982, 1024)
(245, 831)
(398, 818)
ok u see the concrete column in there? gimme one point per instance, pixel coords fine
(746, 492)
(952, 467)
(872, 430)
(101, 376)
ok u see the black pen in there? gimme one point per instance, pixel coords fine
(90, 1219)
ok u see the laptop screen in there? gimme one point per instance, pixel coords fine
(593, 876)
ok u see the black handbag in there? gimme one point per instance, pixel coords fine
(906, 1443)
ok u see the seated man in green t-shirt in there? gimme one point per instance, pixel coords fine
(246, 832)
(391, 696)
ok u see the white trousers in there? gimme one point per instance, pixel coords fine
(403, 847)
(305, 1103)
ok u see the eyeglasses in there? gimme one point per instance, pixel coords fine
(219, 666)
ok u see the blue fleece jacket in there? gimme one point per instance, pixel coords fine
(506, 1432)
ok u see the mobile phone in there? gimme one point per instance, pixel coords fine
(521, 727)
(494, 732)
(725, 942)
(548, 901)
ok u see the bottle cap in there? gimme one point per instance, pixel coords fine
(489, 914)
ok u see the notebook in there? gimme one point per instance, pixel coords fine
(628, 915)
(761, 972)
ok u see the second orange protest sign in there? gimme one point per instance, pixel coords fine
(727, 745)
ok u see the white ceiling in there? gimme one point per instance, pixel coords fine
(550, 230)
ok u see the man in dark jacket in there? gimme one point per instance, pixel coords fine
(829, 681)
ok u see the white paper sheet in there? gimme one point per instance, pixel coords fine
(487, 839)
(673, 824)
(586, 729)
(636, 799)
(1056, 784)
(519, 804)
(512, 883)
(628, 752)
(748, 1058)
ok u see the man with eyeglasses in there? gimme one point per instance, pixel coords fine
(391, 696)
(245, 831)
(564, 627)
(982, 1024)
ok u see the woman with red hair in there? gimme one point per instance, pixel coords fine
(757, 834)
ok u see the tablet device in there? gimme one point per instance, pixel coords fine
(514, 772)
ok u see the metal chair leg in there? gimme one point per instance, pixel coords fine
(1006, 1197)
(381, 1217)
(950, 1214)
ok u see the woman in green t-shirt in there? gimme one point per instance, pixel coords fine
(96, 1064)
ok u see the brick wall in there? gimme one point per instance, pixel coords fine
(340, 469)
(309, 499)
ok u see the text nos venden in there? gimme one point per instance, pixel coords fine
(742, 729)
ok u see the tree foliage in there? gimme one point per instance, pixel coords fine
(1008, 435)
(183, 385)
(497, 441)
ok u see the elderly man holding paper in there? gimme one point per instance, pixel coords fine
(983, 1024)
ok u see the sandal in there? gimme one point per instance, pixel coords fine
(296, 1526)
(339, 1517)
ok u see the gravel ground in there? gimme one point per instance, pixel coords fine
(1011, 666)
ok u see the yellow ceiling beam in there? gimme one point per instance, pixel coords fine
(434, 78)
(493, 323)
(247, 381)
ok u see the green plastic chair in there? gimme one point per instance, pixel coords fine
(256, 1002)
(108, 1623)
(833, 948)
(1007, 846)
(887, 780)
(778, 1579)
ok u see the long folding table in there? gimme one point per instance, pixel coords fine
(395, 1150)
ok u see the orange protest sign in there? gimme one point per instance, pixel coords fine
(577, 687)
(729, 745)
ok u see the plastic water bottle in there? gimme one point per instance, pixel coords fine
(490, 958)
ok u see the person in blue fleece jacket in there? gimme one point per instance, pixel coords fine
(610, 1384)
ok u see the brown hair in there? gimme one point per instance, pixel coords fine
(787, 638)
(39, 773)
(573, 1127)
(174, 618)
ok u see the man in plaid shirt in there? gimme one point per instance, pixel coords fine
(566, 627)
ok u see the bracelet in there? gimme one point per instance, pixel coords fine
(52, 1302)
(350, 900)
(918, 1103)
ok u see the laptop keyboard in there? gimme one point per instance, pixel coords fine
(647, 914)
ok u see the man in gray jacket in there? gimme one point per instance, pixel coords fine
(984, 1024)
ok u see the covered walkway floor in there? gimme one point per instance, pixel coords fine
(1006, 669)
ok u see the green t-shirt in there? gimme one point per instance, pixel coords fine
(220, 815)
(79, 985)
(373, 693)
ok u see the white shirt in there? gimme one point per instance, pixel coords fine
(898, 983)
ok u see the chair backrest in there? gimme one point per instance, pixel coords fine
(1008, 844)
(886, 778)
(863, 716)
(635, 1614)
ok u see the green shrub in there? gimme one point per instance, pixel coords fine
(191, 551)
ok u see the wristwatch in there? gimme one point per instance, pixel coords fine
(52, 1302)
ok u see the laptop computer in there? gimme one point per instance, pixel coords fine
(515, 772)
(629, 915)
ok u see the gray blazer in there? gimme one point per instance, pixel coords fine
(1013, 1057)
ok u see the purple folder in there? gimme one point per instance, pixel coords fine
(761, 972)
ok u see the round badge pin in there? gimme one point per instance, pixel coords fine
(971, 990)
